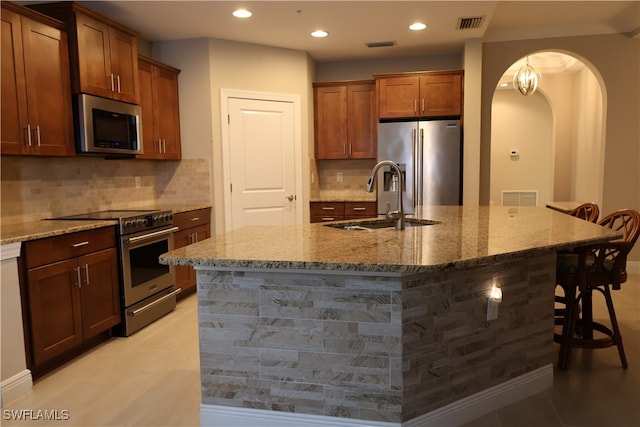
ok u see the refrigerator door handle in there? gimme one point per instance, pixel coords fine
(421, 168)
(414, 198)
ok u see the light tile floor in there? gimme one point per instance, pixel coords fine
(152, 379)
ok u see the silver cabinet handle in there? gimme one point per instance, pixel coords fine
(164, 146)
(29, 135)
(77, 245)
(77, 270)
(86, 273)
(38, 136)
(415, 105)
(359, 209)
(326, 208)
(112, 85)
(423, 105)
(118, 79)
(196, 218)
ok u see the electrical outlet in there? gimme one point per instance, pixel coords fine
(137, 181)
(339, 177)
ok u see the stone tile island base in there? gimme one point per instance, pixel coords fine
(291, 348)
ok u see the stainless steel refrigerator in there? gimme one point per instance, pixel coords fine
(429, 154)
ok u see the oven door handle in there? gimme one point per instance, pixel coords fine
(135, 312)
(151, 235)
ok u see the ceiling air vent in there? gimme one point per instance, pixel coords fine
(470, 23)
(381, 44)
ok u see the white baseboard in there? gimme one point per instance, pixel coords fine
(454, 414)
(228, 416)
(475, 406)
(15, 387)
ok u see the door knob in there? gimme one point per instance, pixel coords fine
(291, 198)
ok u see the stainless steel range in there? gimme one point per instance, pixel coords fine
(147, 286)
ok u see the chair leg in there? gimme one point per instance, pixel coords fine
(617, 338)
(564, 356)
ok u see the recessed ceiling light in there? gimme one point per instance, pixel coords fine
(242, 13)
(417, 26)
(319, 33)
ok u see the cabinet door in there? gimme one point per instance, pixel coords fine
(441, 95)
(363, 123)
(398, 97)
(94, 57)
(150, 142)
(184, 273)
(36, 93)
(124, 65)
(331, 122)
(55, 309)
(46, 59)
(100, 294)
(14, 95)
(168, 113)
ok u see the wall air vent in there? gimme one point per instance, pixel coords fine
(381, 44)
(519, 198)
(469, 23)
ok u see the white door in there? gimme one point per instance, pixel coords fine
(261, 162)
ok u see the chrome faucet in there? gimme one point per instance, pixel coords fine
(397, 215)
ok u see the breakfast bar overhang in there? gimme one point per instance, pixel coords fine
(323, 326)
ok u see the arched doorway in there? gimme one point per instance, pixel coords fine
(551, 142)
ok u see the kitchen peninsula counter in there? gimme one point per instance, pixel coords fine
(318, 326)
(464, 236)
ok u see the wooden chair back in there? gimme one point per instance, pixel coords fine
(587, 211)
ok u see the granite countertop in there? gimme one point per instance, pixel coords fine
(22, 232)
(14, 233)
(466, 236)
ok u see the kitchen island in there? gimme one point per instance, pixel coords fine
(316, 325)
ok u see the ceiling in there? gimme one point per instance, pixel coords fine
(353, 24)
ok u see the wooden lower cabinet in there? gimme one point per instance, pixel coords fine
(70, 300)
(336, 211)
(194, 226)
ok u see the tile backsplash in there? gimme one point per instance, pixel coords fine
(37, 188)
(341, 179)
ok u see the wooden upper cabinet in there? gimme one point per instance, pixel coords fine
(160, 110)
(345, 120)
(415, 95)
(36, 95)
(104, 53)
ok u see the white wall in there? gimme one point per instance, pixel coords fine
(616, 57)
(524, 124)
(210, 65)
(588, 137)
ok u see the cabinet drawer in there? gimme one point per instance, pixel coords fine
(328, 209)
(190, 219)
(359, 209)
(52, 249)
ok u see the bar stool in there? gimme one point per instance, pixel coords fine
(598, 267)
(589, 212)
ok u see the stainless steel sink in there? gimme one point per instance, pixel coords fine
(377, 224)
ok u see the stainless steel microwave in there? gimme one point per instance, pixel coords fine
(108, 127)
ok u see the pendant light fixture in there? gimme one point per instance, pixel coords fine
(526, 80)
